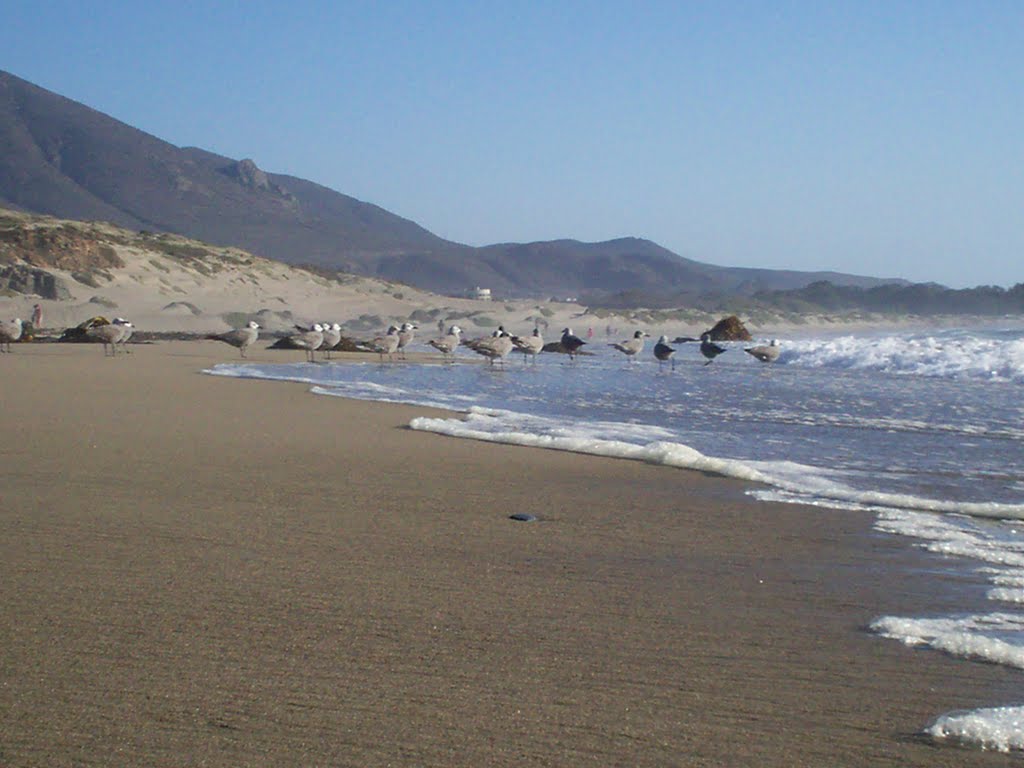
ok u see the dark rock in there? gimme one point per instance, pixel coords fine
(77, 334)
(730, 328)
(522, 517)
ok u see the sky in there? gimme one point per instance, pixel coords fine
(875, 138)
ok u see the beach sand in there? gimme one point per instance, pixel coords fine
(207, 571)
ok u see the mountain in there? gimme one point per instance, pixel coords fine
(61, 158)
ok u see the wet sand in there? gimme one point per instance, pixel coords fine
(207, 571)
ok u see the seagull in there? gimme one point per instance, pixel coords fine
(243, 338)
(405, 336)
(631, 347)
(332, 335)
(709, 349)
(309, 340)
(664, 352)
(447, 345)
(496, 347)
(129, 329)
(529, 345)
(384, 345)
(766, 354)
(571, 342)
(109, 334)
(10, 330)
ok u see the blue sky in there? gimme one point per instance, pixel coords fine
(881, 138)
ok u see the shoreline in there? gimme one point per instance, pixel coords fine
(242, 573)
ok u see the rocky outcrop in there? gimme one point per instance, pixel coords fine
(248, 174)
(729, 328)
(20, 278)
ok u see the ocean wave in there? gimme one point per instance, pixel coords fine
(497, 426)
(799, 483)
(994, 357)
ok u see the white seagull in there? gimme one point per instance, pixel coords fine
(242, 338)
(447, 345)
(496, 347)
(109, 334)
(309, 340)
(531, 345)
(766, 353)
(405, 336)
(384, 345)
(332, 335)
(631, 347)
(10, 330)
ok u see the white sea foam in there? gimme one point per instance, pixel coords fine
(976, 637)
(943, 356)
(1005, 578)
(305, 373)
(496, 426)
(1006, 595)
(998, 728)
(947, 536)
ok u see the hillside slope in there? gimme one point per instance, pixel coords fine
(65, 159)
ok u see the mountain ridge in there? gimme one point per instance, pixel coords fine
(66, 159)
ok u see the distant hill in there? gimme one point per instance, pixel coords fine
(61, 158)
(918, 299)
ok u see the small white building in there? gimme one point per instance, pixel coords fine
(482, 294)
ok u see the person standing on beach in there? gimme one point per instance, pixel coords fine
(37, 316)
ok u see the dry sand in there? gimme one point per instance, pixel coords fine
(207, 571)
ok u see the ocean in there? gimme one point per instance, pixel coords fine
(923, 429)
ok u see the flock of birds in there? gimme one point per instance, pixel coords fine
(112, 335)
(664, 352)
(499, 345)
(496, 347)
